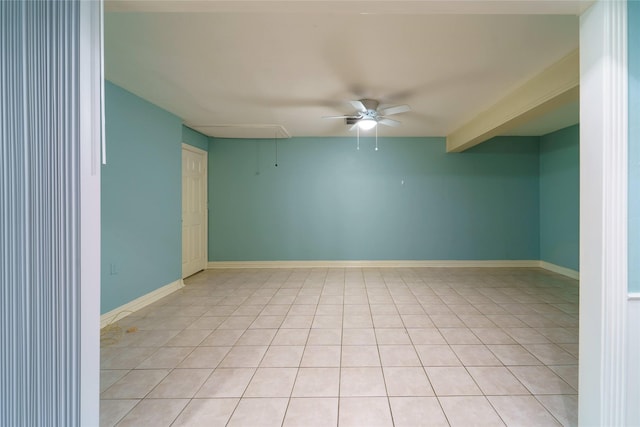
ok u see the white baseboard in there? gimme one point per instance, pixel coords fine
(139, 303)
(633, 355)
(573, 274)
(373, 264)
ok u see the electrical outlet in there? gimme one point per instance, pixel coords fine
(113, 270)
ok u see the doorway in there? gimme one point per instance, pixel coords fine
(194, 210)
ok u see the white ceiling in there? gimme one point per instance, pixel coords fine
(245, 68)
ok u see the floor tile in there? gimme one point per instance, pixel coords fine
(410, 309)
(263, 412)
(387, 321)
(569, 373)
(180, 383)
(266, 322)
(362, 382)
(271, 382)
(124, 358)
(207, 322)
(205, 357)
(468, 411)
(398, 355)
(325, 337)
(541, 380)
(560, 335)
(356, 305)
(136, 384)
(166, 357)
(452, 381)
(551, 354)
(492, 336)
(317, 382)
(417, 321)
(563, 407)
(256, 337)
(426, 336)
(513, 355)
(280, 309)
(364, 411)
(446, 321)
(226, 382)
(494, 380)
(358, 337)
(189, 338)
(358, 346)
(526, 336)
(321, 356)
(437, 355)
(417, 412)
(476, 321)
(327, 322)
(391, 336)
(357, 321)
(243, 357)
(109, 377)
(237, 322)
(383, 309)
(459, 336)
(407, 381)
(112, 411)
(522, 411)
(282, 356)
(360, 355)
(154, 412)
(312, 412)
(475, 355)
(297, 321)
(291, 337)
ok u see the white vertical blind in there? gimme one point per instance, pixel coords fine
(40, 257)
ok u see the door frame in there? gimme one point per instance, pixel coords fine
(205, 197)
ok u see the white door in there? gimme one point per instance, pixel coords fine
(194, 210)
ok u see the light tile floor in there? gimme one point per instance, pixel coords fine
(349, 347)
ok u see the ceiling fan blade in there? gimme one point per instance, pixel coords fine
(389, 122)
(397, 109)
(359, 106)
(339, 117)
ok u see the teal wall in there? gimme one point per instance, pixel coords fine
(560, 197)
(634, 145)
(328, 201)
(141, 199)
(195, 138)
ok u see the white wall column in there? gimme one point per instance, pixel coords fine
(603, 214)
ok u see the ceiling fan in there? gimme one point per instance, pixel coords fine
(369, 116)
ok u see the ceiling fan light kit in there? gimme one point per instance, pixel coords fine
(368, 116)
(366, 123)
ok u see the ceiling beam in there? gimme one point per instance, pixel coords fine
(556, 86)
(411, 7)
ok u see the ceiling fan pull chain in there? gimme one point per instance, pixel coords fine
(276, 141)
(376, 138)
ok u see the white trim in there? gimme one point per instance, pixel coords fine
(633, 367)
(138, 303)
(603, 215)
(91, 127)
(205, 196)
(187, 146)
(374, 264)
(554, 87)
(573, 274)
